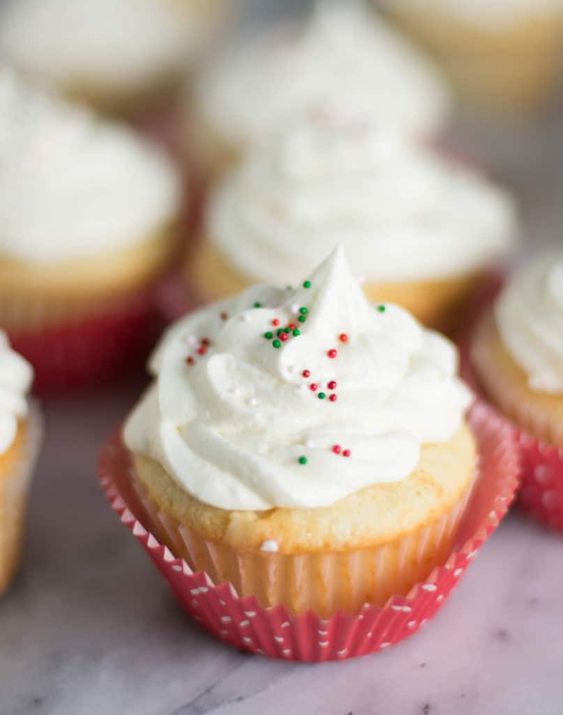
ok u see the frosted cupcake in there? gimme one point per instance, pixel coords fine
(19, 438)
(118, 55)
(503, 54)
(308, 424)
(88, 223)
(517, 354)
(343, 57)
(421, 230)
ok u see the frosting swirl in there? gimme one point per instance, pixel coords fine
(401, 211)
(245, 419)
(72, 185)
(529, 315)
(16, 375)
(101, 44)
(343, 57)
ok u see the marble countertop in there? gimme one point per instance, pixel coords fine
(89, 627)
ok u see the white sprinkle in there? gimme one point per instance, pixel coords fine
(295, 308)
(226, 619)
(430, 587)
(270, 545)
(245, 318)
(253, 402)
(278, 639)
(191, 340)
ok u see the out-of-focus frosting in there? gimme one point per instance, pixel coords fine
(16, 375)
(72, 185)
(343, 58)
(401, 211)
(486, 13)
(253, 424)
(109, 44)
(529, 316)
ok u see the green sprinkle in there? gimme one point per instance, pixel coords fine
(257, 305)
(307, 284)
(277, 344)
(269, 335)
(381, 308)
(302, 319)
(321, 395)
(303, 310)
(279, 331)
(302, 460)
(296, 332)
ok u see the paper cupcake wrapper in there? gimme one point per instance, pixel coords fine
(92, 350)
(541, 492)
(15, 496)
(243, 623)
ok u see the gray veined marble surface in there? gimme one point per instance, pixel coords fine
(89, 627)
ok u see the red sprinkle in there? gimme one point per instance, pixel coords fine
(346, 453)
(224, 316)
(336, 448)
(313, 387)
(190, 360)
(205, 341)
(333, 397)
(332, 353)
(292, 326)
(332, 385)
(202, 350)
(284, 337)
(275, 321)
(306, 373)
(343, 337)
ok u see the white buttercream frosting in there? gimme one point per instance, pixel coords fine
(529, 315)
(109, 44)
(16, 375)
(489, 14)
(232, 427)
(73, 185)
(344, 57)
(402, 211)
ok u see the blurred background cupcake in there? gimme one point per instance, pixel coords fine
(118, 55)
(421, 229)
(341, 55)
(517, 354)
(502, 54)
(19, 444)
(89, 223)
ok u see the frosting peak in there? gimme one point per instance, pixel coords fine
(296, 397)
(529, 316)
(73, 185)
(16, 375)
(402, 211)
(343, 56)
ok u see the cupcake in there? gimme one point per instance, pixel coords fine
(305, 446)
(343, 56)
(89, 224)
(517, 355)
(19, 440)
(118, 55)
(502, 54)
(420, 228)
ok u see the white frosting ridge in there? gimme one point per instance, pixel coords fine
(529, 316)
(16, 375)
(344, 57)
(73, 185)
(109, 44)
(231, 427)
(401, 210)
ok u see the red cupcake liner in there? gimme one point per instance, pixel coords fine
(277, 633)
(541, 492)
(91, 351)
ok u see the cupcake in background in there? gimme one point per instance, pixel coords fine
(343, 56)
(517, 355)
(501, 54)
(305, 446)
(422, 230)
(88, 223)
(19, 443)
(118, 55)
